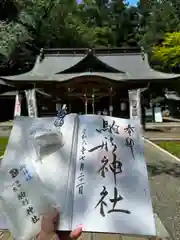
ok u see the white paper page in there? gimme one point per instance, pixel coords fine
(134, 213)
(71, 179)
(19, 200)
(55, 170)
(53, 162)
(3, 223)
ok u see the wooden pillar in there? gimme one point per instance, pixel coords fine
(93, 102)
(110, 103)
(69, 100)
(85, 103)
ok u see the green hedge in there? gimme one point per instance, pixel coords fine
(3, 143)
(171, 146)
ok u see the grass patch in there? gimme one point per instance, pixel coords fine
(3, 143)
(171, 146)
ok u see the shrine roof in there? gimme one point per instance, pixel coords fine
(3, 83)
(4, 86)
(13, 93)
(118, 64)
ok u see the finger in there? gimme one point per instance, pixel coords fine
(53, 214)
(49, 223)
(56, 220)
(76, 233)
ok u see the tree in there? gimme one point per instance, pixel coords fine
(41, 23)
(160, 18)
(168, 53)
(92, 23)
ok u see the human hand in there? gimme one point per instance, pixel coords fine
(48, 229)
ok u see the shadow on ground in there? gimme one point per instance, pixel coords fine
(172, 169)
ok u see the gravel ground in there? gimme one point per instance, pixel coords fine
(164, 176)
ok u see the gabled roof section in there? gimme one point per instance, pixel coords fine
(135, 64)
(118, 64)
(91, 63)
(52, 61)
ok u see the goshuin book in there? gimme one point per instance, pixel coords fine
(93, 166)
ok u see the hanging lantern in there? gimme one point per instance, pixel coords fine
(123, 106)
(110, 108)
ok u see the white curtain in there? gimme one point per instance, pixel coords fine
(135, 104)
(31, 102)
(17, 106)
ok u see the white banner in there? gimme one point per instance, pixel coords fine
(31, 102)
(17, 106)
(135, 104)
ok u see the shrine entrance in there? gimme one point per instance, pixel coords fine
(90, 98)
(90, 95)
(76, 106)
(89, 106)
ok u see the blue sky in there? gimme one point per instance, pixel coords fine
(132, 2)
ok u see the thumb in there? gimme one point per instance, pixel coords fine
(76, 233)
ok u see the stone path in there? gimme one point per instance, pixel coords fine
(157, 135)
(101, 236)
(164, 175)
(152, 125)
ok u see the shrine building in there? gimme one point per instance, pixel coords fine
(89, 81)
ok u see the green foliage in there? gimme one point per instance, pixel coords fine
(168, 53)
(160, 18)
(12, 35)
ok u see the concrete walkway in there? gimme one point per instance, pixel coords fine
(153, 125)
(164, 176)
(157, 135)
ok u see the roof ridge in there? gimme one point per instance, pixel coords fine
(95, 51)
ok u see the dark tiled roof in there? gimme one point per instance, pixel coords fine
(3, 83)
(4, 86)
(13, 93)
(129, 64)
